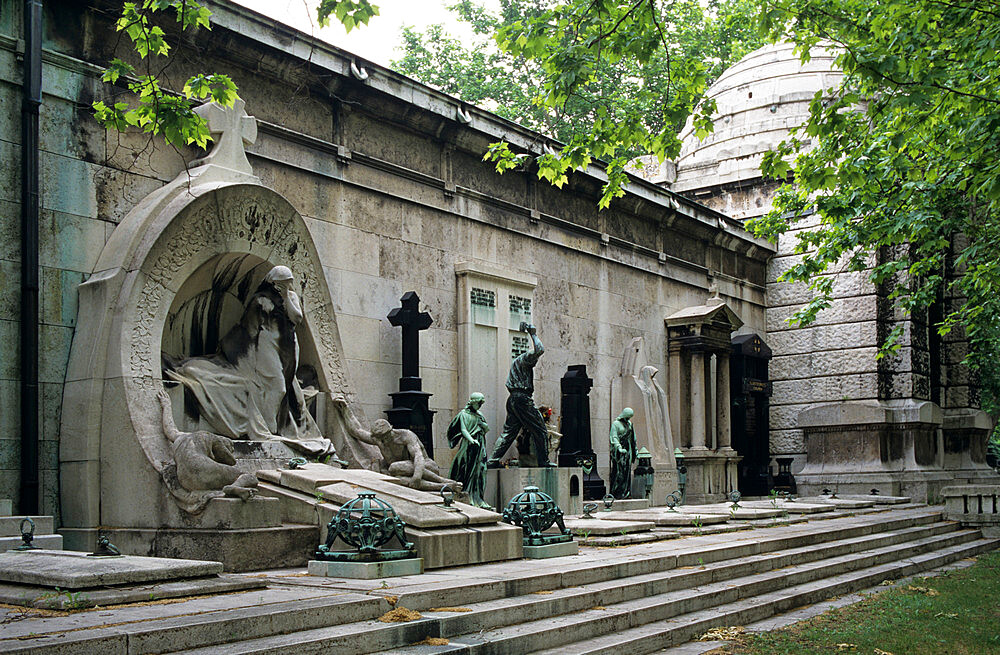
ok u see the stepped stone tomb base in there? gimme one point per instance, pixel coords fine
(563, 483)
(546, 551)
(637, 598)
(444, 536)
(57, 579)
(367, 570)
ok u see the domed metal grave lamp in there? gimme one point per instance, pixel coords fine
(367, 523)
(534, 512)
(643, 485)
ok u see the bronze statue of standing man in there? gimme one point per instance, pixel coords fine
(521, 410)
(467, 432)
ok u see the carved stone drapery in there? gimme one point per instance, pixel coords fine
(110, 404)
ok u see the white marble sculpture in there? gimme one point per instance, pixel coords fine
(639, 389)
(204, 465)
(249, 389)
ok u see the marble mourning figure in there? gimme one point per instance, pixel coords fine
(249, 389)
(403, 456)
(521, 410)
(204, 461)
(623, 454)
(467, 432)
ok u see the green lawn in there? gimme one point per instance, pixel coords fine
(957, 613)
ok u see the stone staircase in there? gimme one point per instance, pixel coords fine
(10, 530)
(639, 598)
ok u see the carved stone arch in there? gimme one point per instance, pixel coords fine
(111, 417)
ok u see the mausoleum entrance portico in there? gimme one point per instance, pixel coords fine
(699, 344)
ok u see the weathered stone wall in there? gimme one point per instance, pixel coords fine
(394, 193)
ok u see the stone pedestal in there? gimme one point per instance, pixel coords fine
(367, 570)
(893, 446)
(552, 550)
(711, 475)
(563, 483)
(443, 536)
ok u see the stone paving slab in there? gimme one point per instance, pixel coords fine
(840, 503)
(665, 518)
(600, 527)
(68, 569)
(726, 509)
(879, 499)
(48, 598)
(792, 507)
(469, 583)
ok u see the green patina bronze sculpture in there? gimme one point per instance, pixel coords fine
(521, 410)
(467, 432)
(623, 453)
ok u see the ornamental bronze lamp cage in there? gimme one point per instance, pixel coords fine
(367, 523)
(534, 512)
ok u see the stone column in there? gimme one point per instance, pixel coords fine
(674, 394)
(722, 418)
(699, 427)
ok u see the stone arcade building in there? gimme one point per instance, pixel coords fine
(369, 185)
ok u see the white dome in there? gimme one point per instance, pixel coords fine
(759, 100)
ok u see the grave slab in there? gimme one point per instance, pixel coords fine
(726, 509)
(788, 506)
(552, 550)
(48, 598)
(76, 570)
(598, 527)
(839, 503)
(627, 504)
(666, 518)
(880, 500)
(367, 570)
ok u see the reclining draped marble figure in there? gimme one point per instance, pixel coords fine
(205, 462)
(403, 456)
(249, 389)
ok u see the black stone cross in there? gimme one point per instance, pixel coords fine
(410, 406)
(412, 320)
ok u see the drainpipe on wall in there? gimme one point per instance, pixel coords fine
(31, 102)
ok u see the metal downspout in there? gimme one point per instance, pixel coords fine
(31, 102)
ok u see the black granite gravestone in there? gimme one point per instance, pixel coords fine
(576, 448)
(410, 408)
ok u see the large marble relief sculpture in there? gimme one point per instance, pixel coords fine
(249, 388)
(152, 282)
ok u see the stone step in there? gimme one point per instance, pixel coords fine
(700, 552)
(655, 636)
(345, 623)
(46, 541)
(211, 627)
(581, 625)
(10, 526)
(693, 575)
(509, 611)
(541, 606)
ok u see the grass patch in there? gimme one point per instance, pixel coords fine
(954, 613)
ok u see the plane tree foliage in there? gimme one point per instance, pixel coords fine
(902, 175)
(625, 100)
(901, 167)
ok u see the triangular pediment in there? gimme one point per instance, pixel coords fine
(717, 313)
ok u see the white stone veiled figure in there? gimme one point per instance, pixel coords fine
(654, 402)
(638, 388)
(248, 389)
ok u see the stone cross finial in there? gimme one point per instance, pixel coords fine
(714, 297)
(236, 128)
(412, 320)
